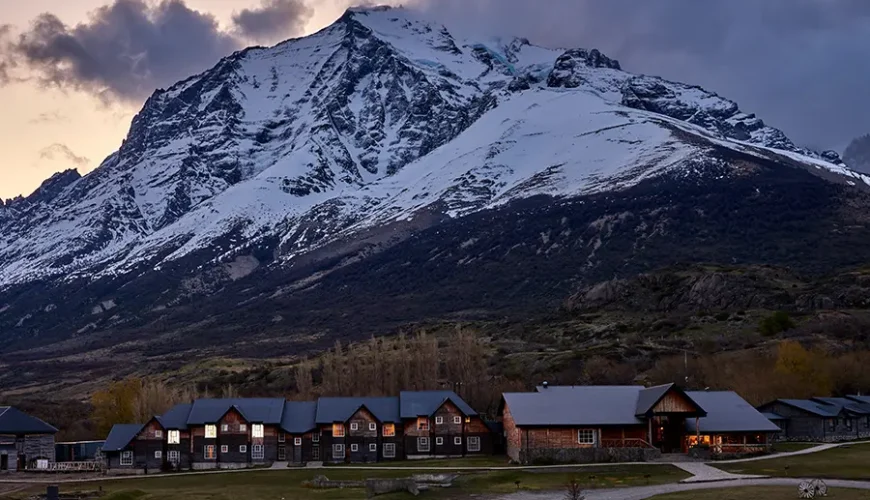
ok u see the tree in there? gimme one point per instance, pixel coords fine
(304, 381)
(803, 373)
(116, 404)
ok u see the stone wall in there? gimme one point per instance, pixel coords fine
(587, 455)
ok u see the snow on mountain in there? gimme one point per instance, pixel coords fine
(376, 118)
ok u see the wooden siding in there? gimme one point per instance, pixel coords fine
(674, 402)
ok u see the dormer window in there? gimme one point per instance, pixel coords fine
(210, 431)
(257, 431)
(422, 424)
(338, 430)
(174, 437)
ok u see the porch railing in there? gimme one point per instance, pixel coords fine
(625, 443)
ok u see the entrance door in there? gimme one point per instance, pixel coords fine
(4, 462)
(675, 428)
(297, 454)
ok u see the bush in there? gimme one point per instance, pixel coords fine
(777, 322)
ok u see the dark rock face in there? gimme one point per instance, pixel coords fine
(857, 154)
(567, 72)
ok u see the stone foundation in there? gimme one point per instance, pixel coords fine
(588, 455)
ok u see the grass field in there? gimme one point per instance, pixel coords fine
(765, 492)
(478, 462)
(787, 447)
(286, 485)
(845, 462)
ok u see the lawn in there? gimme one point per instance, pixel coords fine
(471, 462)
(277, 485)
(754, 493)
(845, 462)
(788, 447)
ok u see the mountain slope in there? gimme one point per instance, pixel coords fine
(341, 164)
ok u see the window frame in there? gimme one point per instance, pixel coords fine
(392, 430)
(209, 456)
(457, 420)
(225, 428)
(373, 447)
(439, 420)
(422, 424)
(457, 440)
(421, 440)
(158, 454)
(126, 458)
(225, 448)
(213, 429)
(243, 427)
(439, 441)
(354, 448)
(354, 426)
(373, 426)
(173, 437)
(258, 431)
(342, 431)
(258, 452)
(243, 448)
(848, 424)
(315, 438)
(389, 450)
(473, 443)
(587, 432)
(832, 425)
(297, 441)
(315, 453)
(173, 456)
(158, 434)
(338, 451)
(282, 438)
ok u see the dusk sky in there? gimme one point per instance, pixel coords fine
(73, 72)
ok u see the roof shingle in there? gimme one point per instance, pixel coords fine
(727, 412)
(299, 416)
(424, 403)
(255, 410)
(15, 421)
(331, 410)
(120, 436)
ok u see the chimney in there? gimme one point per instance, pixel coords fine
(544, 384)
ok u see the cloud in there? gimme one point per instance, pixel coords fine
(59, 151)
(49, 117)
(274, 20)
(800, 64)
(124, 51)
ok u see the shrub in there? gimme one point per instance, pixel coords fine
(776, 323)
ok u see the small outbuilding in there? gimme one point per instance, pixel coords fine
(26, 442)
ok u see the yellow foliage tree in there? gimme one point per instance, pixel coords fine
(116, 404)
(803, 373)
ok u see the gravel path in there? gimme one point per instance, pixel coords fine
(644, 492)
(806, 451)
(703, 473)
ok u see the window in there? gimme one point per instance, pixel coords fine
(586, 436)
(225, 428)
(373, 426)
(225, 448)
(174, 437)
(315, 438)
(210, 431)
(832, 424)
(373, 447)
(338, 452)
(439, 441)
(315, 453)
(457, 420)
(423, 444)
(243, 448)
(390, 430)
(158, 434)
(297, 441)
(257, 430)
(158, 454)
(422, 424)
(849, 424)
(282, 437)
(243, 427)
(473, 443)
(282, 454)
(126, 458)
(439, 420)
(174, 456)
(457, 441)
(338, 430)
(354, 426)
(354, 448)
(257, 452)
(389, 450)
(209, 452)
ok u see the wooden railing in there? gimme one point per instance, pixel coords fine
(739, 448)
(87, 466)
(625, 443)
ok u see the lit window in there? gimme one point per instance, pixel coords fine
(338, 430)
(158, 434)
(422, 424)
(423, 444)
(389, 450)
(127, 458)
(257, 430)
(354, 448)
(338, 452)
(439, 420)
(173, 456)
(457, 441)
(257, 452)
(158, 454)
(586, 436)
(373, 426)
(373, 447)
(225, 428)
(354, 426)
(243, 448)
(439, 441)
(210, 431)
(389, 430)
(297, 441)
(473, 443)
(243, 427)
(174, 437)
(457, 420)
(209, 452)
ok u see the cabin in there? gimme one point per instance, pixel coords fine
(821, 419)
(238, 433)
(26, 442)
(79, 451)
(587, 424)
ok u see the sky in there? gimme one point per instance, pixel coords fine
(74, 72)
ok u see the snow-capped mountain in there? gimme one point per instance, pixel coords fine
(377, 127)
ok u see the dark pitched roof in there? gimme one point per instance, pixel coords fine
(15, 421)
(727, 412)
(254, 410)
(772, 416)
(120, 436)
(810, 406)
(330, 410)
(647, 398)
(299, 416)
(849, 405)
(575, 405)
(860, 399)
(415, 404)
(176, 417)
